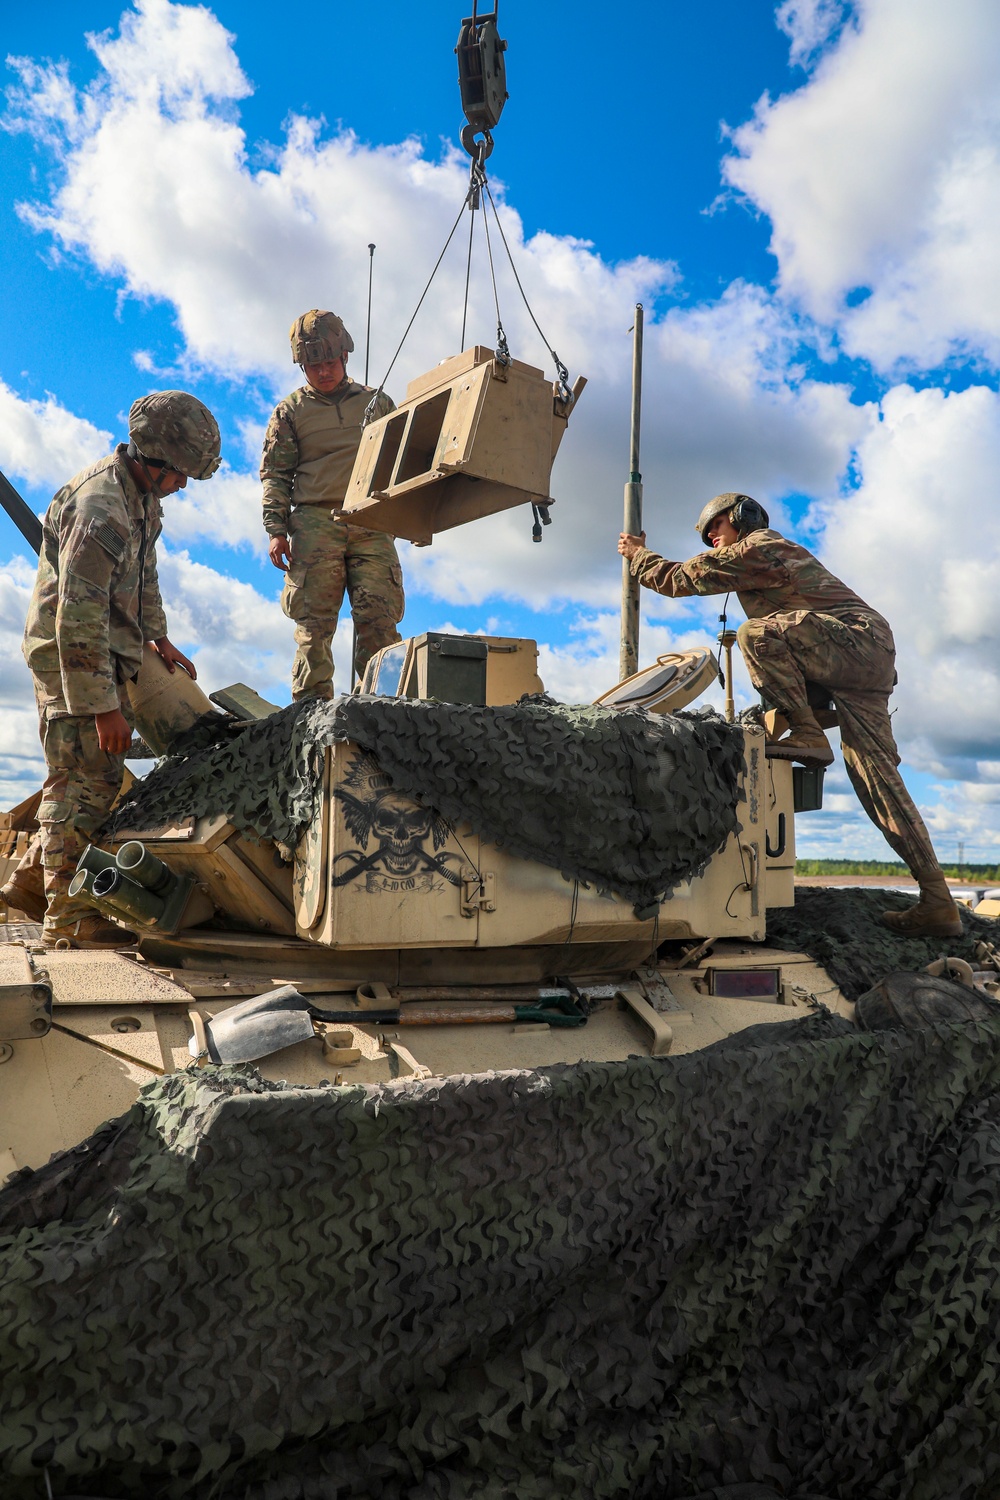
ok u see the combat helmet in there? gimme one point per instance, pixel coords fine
(317, 337)
(175, 429)
(745, 513)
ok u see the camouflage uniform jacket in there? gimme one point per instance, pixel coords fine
(96, 597)
(309, 449)
(769, 575)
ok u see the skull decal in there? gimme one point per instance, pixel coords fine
(401, 829)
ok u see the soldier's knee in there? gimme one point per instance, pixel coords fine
(758, 639)
(377, 611)
(750, 637)
(314, 633)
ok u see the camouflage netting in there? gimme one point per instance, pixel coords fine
(772, 1265)
(842, 930)
(626, 800)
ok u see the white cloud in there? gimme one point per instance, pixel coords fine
(920, 541)
(154, 187)
(882, 173)
(809, 24)
(21, 767)
(232, 632)
(225, 510)
(43, 443)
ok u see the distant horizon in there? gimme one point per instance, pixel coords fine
(988, 871)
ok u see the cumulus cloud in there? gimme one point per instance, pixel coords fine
(881, 177)
(809, 25)
(158, 187)
(21, 767)
(231, 631)
(225, 511)
(920, 540)
(43, 443)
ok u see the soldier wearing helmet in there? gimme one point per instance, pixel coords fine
(96, 601)
(807, 634)
(309, 450)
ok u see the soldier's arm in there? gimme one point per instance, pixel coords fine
(88, 551)
(744, 566)
(278, 464)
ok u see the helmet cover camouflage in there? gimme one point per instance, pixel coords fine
(176, 429)
(317, 337)
(727, 503)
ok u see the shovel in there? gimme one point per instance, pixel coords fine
(254, 1028)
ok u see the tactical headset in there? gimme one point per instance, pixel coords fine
(749, 515)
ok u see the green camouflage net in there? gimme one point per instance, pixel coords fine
(842, 930)
(623, 799)
(768, 1269)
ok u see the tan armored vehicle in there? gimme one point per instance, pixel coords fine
(410, 941)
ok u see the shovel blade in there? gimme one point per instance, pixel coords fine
(259, 1026)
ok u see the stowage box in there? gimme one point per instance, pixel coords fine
(472, 437)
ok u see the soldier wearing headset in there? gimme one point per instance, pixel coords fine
(805, 627)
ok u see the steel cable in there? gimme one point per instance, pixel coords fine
(561, 369)
(370, 408)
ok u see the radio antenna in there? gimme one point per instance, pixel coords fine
(368, 330)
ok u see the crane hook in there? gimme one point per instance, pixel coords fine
(482, 77)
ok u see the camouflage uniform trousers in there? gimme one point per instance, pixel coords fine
(329, 556)
(81, 783)
(855, 659)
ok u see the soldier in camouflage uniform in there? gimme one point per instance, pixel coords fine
(96, 601)
(309, 450)
(806, 627)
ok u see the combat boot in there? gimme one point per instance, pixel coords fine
(89, 932)
(25, 897)
(935, 915)
(804, 742)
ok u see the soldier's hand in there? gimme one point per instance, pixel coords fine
(280, 553)
(629, 545)
(113, 734)
(171, 657)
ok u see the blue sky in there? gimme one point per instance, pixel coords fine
(803, 196)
